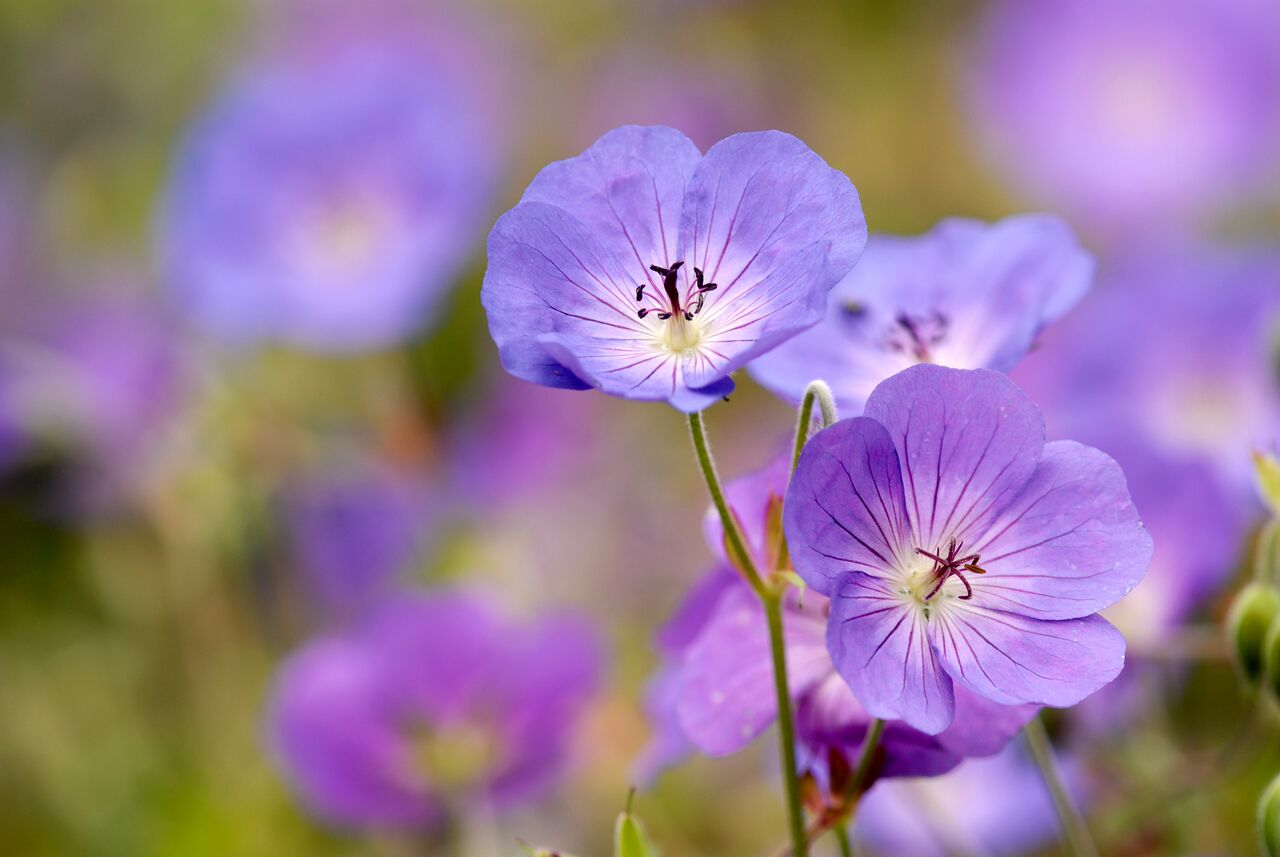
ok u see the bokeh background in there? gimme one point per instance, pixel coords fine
(246, 385)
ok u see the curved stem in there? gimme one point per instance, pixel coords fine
(819, 392)
(1074, 830)
(842, 839)
(732, 532)
(773, 614)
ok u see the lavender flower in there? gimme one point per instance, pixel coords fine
(651, 271)
(1014, 816)
(715, 692)
(330, 195)
(95, 378)
(1134, 113)
(1176, 348)
(961, 550)
(967, 294)
(355, 532)
(433, 700)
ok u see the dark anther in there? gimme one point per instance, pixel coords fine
(701, 286)
(671, 286)
(917, 334)
(643, 312)
(952, 564)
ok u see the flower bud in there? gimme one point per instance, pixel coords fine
(1271, 660)
(1266, 555)
(1269, 819)
(1252, 614)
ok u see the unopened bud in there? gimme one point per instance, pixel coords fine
(1269, 819)
(1252, 614)
(1266, 557)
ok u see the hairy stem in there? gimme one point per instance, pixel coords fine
(819, 392)
(773, 613)
(733, 533)
(1075, 832)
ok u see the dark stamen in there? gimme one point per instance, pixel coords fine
(639, 293)
(953, 564)
(643, 312)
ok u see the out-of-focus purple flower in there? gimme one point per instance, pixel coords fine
(651, 271)
(332, 193)
(961, 550)
(94, 378)
(354, 533)
(1134, 113)
(968, 294)
(434, 699)
(1177, 347)
(938, 817)
(519, 439)
(715, 691)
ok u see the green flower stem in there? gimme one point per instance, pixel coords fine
(733, 533)
(786, 726)
(862, 770)
(772, 601)
(1075, 832)
(819, 392)
(842, 839)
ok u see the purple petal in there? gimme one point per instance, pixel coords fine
(880, 644)
(982, 727)
(696, 610)
(549, 276)
(1070, 544)
(551, 671)
(845, 509)
(968, 441)
(978, 294)
(1013, 659)
(727, 697)
(627, 191)
(776, 228)
(334, 737)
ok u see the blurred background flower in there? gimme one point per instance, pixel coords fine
(249, 407)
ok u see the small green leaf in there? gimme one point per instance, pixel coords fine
(1267, 466)
(630, 838)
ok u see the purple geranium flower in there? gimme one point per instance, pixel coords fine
(1177, 347)
(940, 817)
(432, 700)
(968, 294)
(651, 271)
(331, 194)
(355, 532)
(961, 550)
(1136, 113)
(715, 692)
